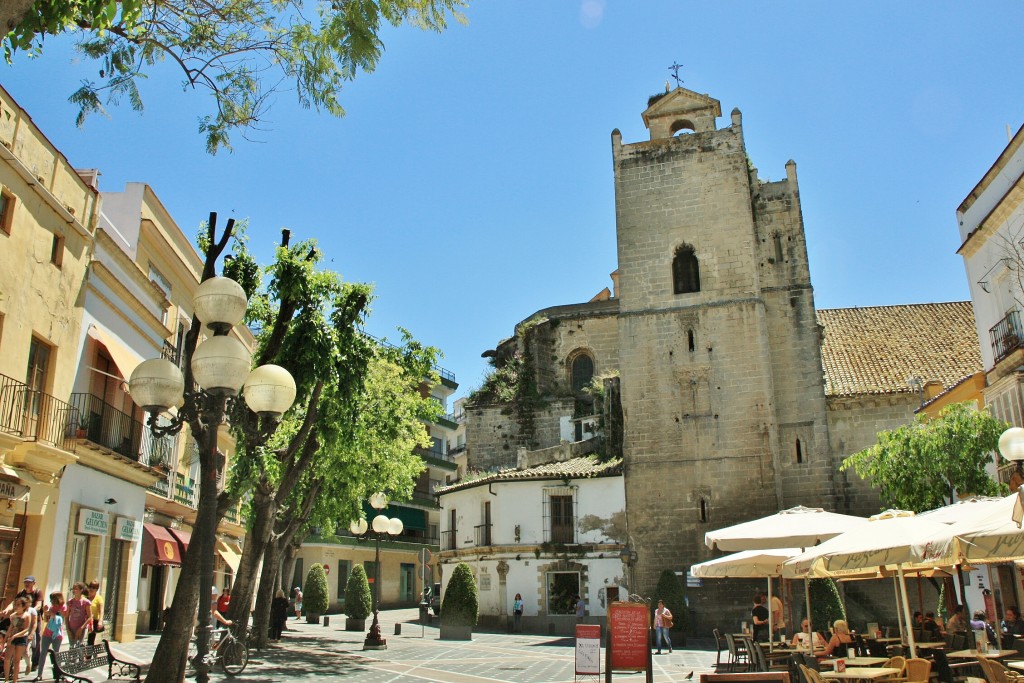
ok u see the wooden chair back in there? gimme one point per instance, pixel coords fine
(918, 670)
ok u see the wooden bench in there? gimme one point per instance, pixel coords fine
(73, 661)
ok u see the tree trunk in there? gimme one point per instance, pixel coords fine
(264, 509)
(12, 12)
(288, 568)
(169, 659)
(261, 619)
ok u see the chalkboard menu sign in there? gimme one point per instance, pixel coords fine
(629, 647)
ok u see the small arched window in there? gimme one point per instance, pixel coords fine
(682, 126)
(685, 271)
(703, 509)
(581, 371)
(799, 451)
(690, 340)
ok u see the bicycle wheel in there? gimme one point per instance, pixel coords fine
(234, 656)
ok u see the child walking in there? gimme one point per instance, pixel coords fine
(53, 633)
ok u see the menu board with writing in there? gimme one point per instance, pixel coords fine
(628, 636)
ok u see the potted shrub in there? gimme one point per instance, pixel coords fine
(358, 603)
(315, 599)
(670, 589)
(460, 607)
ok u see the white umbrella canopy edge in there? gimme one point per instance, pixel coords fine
(798, 527)
(746, 564)
(988, 536)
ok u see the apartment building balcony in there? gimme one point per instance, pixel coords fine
(36, 416)
(436, 456)
(185, 491)
(1006, 336)
(423, 499)
(482, 534)
(450, 540)
(103, 426)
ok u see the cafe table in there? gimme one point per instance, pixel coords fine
(860, 673)
(936, 645)
(887, 641)
(972, 654)
(855, 661)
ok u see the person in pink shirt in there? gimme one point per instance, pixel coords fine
(79, 615)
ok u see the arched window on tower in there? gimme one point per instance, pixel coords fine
(685, 271)
(799, 451)
(581, 371)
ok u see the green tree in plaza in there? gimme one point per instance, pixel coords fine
(241, 52)
(826, 605)
(358, 601)
(461, 605)
(926, 464)
(670, 589)
(316, 598)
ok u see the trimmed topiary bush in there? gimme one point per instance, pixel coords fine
(461, 606)
(670, 589)
(826, 607)
(358, 601)
(315, 599)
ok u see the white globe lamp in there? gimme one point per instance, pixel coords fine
(156, 385)
(269, 391)
(220, 303)
(220, 365)
(381, 524)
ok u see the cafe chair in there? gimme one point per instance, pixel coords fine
(810, 675)
(917, 670)
(897, 662)
(1018, 644)
(877, 649)
(758, 660)
(860, 646)
(737, 652)
(944, 672)
(721, 646)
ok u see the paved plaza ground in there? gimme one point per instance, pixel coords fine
(417, 655)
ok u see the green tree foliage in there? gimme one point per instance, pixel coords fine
(461, 605)
(358, 602)
(239, 51)
(670, 589)
(926, 464)
(826, 607)
(316, 599)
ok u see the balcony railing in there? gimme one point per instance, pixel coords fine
(162, 486)
(482, 534)
(424, 498)
(36, 416)
(105, 425)
(449, 539)
(436, 453)
(1007, 335)
(184, 490)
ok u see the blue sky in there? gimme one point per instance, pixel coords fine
(471, 179)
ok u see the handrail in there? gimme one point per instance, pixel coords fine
(36, 415)
(107, 426)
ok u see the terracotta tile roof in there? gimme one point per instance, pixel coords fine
(585, 467)
(874, 350)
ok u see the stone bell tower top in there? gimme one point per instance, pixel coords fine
(680, 109)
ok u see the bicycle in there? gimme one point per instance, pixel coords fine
(230, 652)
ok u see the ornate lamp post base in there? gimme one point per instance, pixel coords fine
(373, 640)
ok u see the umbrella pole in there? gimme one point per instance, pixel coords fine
(906, 611)
(771, 618)
(810, 622)
(899, 617)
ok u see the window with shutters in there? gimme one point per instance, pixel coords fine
(560, 515)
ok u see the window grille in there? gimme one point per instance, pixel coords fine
(685, 271)
(559, 510)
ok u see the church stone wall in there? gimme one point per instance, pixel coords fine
(854, 424)
(494, 432)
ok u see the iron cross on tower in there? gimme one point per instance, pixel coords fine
(675, 73)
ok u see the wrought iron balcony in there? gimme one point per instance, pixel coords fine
(36, 415)
(482, 534)
(110, 428)
(184, 490)
(1007, 335)
(449, 540)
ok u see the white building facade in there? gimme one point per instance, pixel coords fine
(549, 530)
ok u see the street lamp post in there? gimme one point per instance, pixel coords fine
(381, 528)
(1011, 445)
(220, 369)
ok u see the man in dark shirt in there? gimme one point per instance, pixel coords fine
(759, 614)
(1012, 624)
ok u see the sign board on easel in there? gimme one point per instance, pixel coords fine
(588, 651)
(629, 639)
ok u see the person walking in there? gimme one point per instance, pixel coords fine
(96, 610)
(298, 602)
(581, 608)
(79, 615)
(517, 613)
(662, 624)
(778, 618)
(278, 614)
(53, 633)
(759, 615)
(35, 608)
(17, 639)
(224, 601)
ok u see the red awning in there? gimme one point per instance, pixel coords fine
(158, 546)
(184, 537)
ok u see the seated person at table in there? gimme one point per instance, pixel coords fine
(841, 639)
(980, 623)
(1012, 624)
(931, 628)
(957, 623)
(800, 639)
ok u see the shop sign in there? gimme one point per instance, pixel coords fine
(11, 491)
(128, 529)
(93, 522)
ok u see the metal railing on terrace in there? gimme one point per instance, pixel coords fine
(184, 490)
(482, 534)
(1007, 335)
(433, 452)
(105, 425)
(36, 415)
(449, 539)
(444, 374)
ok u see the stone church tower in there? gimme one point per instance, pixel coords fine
(722, 392)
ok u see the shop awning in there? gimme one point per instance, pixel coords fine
(158, 546)
(231, 554)
(184, 538)
(125, 359)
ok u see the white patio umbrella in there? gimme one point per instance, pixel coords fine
(990, 534)
(894, 540)
(961, 509)
(798, 527)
